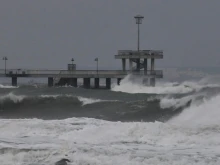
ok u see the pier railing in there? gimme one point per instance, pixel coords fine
(133, 54)
(140, 52)
(78, 73)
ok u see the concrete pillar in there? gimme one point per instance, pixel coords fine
(118, 81)
(73, 82)
(130, 64)
(145, 66)
(152, 64)
(96, 83)
(138, 65)
(152, 82)
(14, 81)
(145, 81)
(108, 83)
(50, 81)
(86, 82)
(123, 64)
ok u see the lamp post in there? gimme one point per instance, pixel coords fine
(139, 19)
(72, 60)
(5, 58)
(97, 65)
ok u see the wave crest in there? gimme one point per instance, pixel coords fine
(203, 114)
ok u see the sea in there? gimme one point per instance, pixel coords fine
(175, 123)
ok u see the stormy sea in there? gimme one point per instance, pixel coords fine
(174, 123)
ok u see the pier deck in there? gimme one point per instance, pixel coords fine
(78, 73)
(69, 77)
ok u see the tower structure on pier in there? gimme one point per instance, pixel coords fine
(140, 59)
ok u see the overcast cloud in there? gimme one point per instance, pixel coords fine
(48, 33)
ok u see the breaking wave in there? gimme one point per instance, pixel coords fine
(7, 86)
(203, 114)
(127, 85)
(86, 101)
(11, 97)
(175, 102)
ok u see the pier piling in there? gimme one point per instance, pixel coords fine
(96, 83)
(108, 83)
(14, 81)
(50, 81)
(118, 81)
(86, 82)
(152, 82)
(73, 82)
(145, 81)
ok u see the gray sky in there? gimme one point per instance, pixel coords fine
(48, 33)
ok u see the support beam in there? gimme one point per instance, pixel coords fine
(14, 81)
(130, 65)
(118, 81)
(123, 64)
(50, 81)
(96, 83)
(108, 83)
(152, 82)
(73, 82)
(86, 82)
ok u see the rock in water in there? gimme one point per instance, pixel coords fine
(62, 162)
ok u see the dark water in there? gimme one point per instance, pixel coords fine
(66, 102)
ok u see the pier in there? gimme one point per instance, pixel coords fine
(143, 61)
(70, 77)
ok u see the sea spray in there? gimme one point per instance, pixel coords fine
(127, 85)
(168, 102)
(205, 114)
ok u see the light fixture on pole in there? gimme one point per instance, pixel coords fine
(5, 58)
(139, 19)
(97, 65)
(72, 60)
